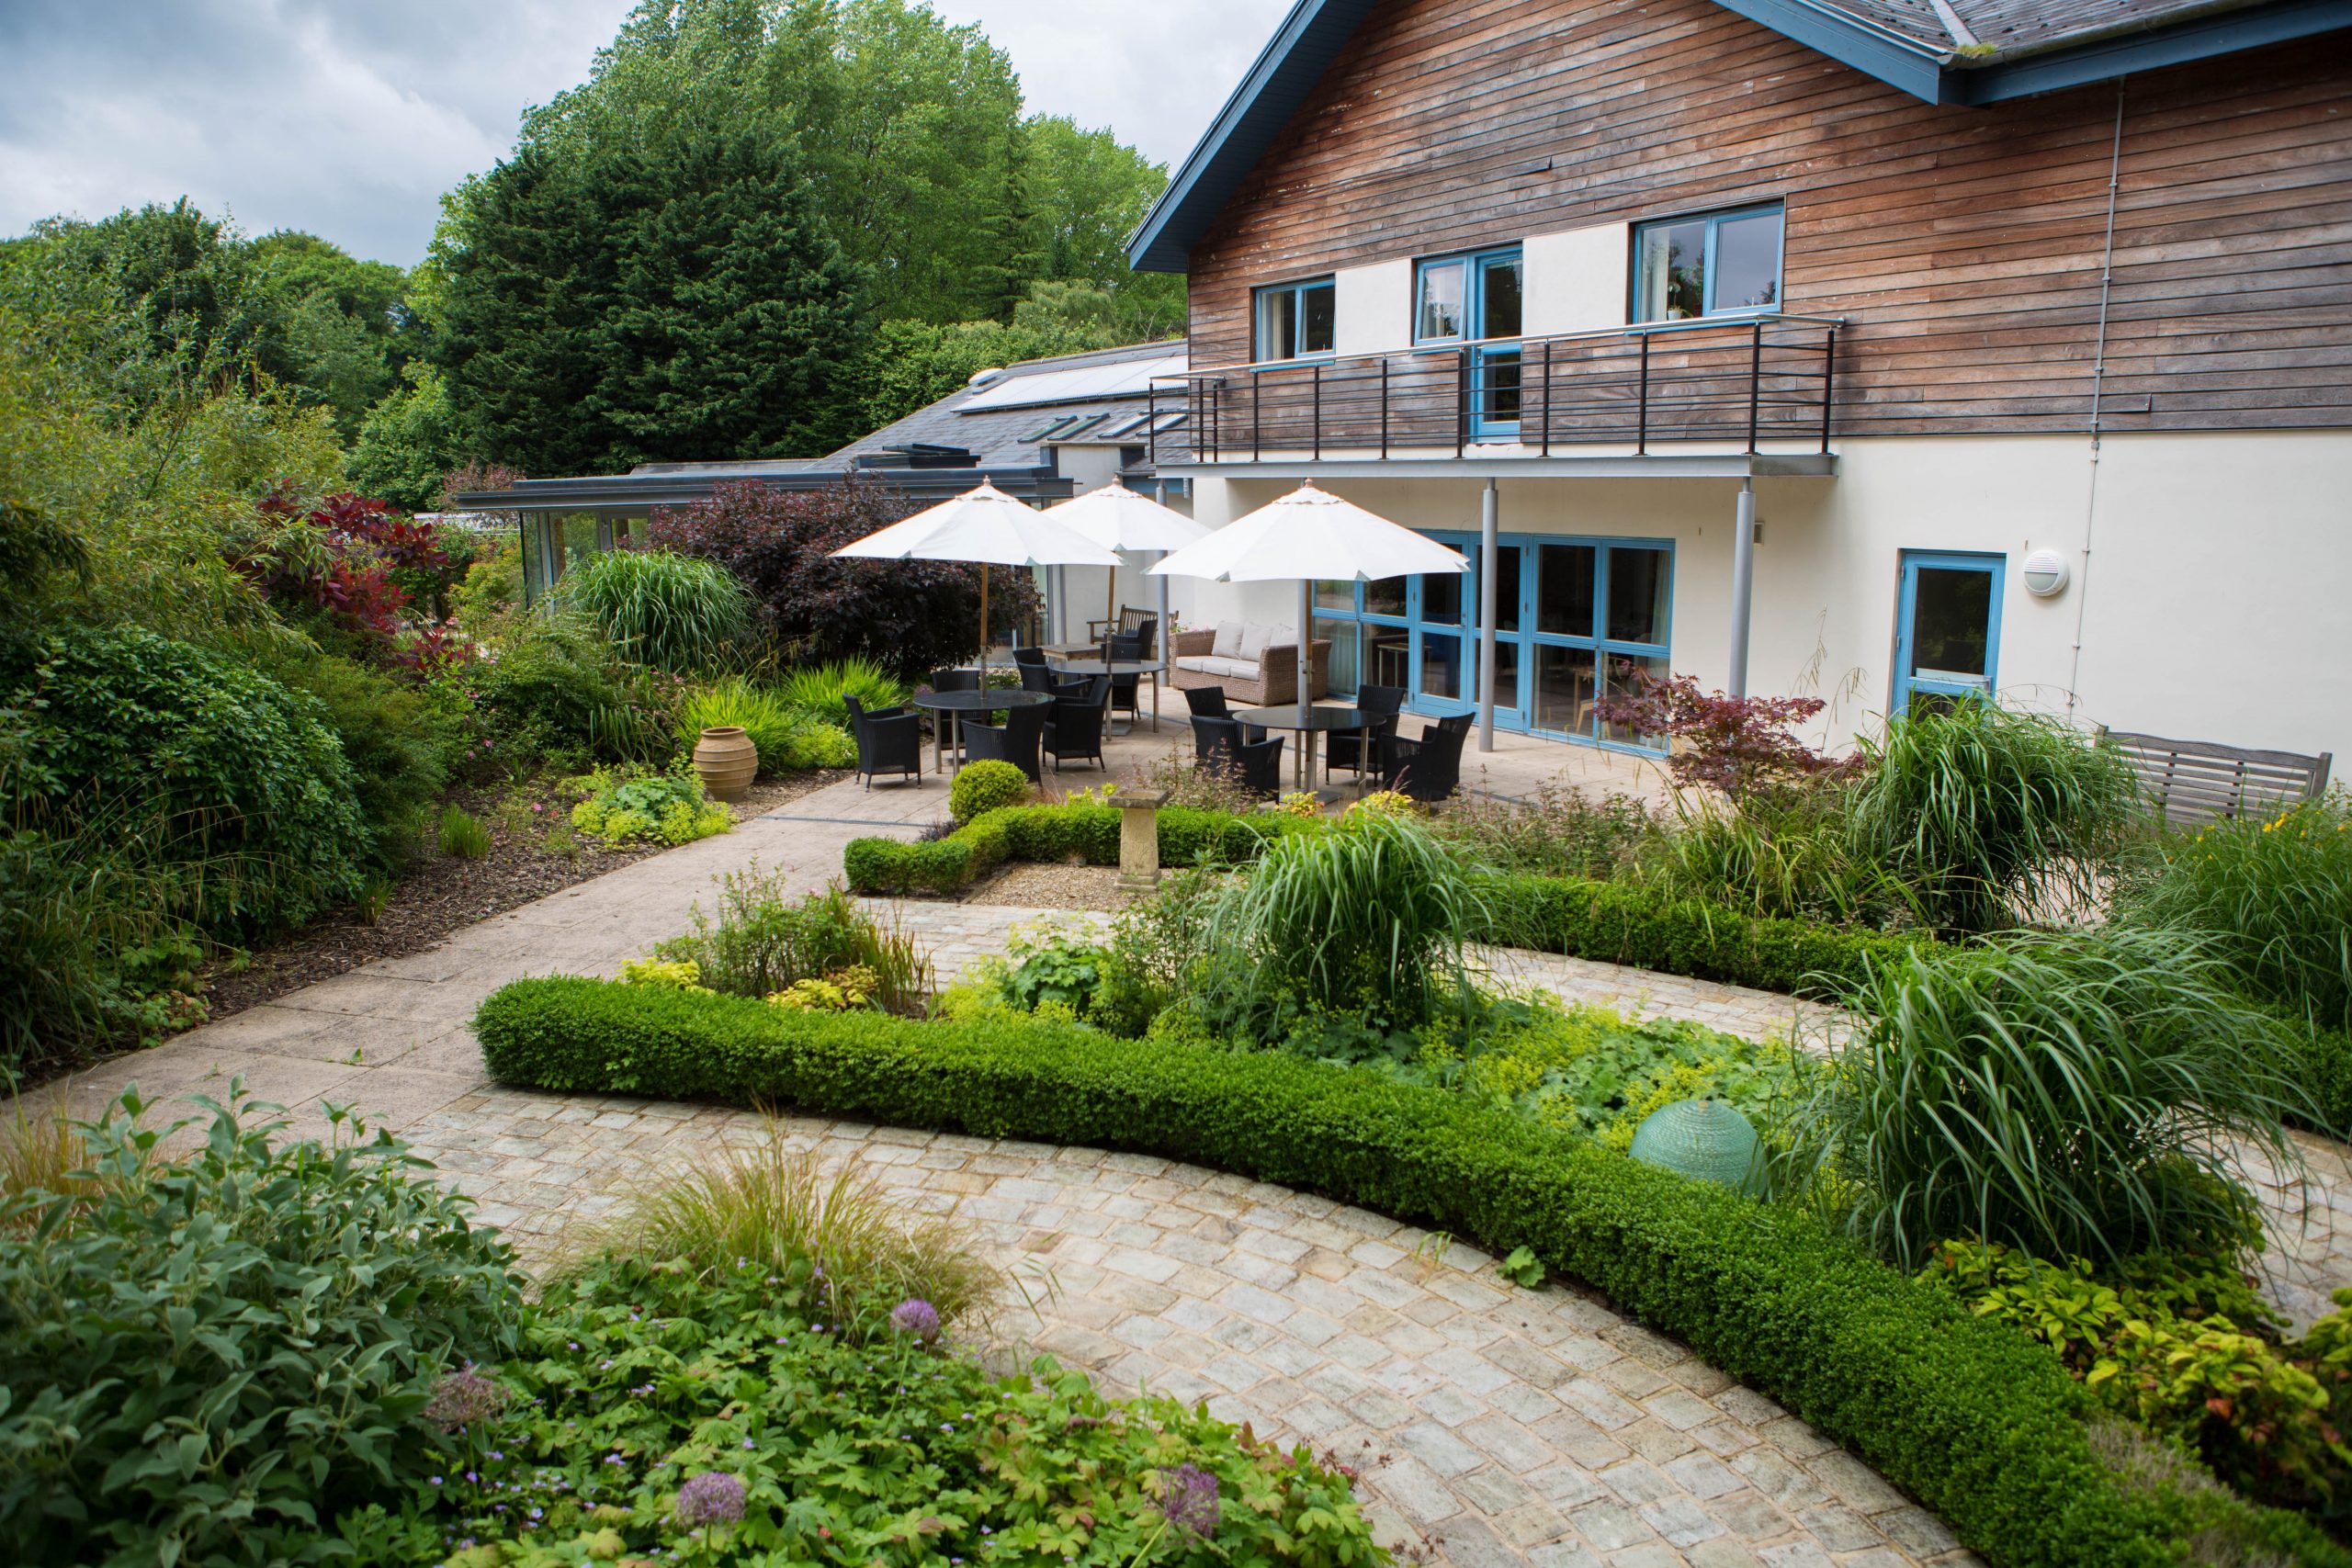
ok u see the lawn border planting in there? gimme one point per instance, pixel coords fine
(1978, 1423)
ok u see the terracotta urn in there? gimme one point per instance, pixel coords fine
(726, 761)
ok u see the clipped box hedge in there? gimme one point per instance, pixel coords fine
(1975, 1421)
(1611, 922)
(1089, 833)
(1618, 922)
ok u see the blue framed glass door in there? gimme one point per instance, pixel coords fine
(1947, 627)
(1572, 616)
(1463, 300)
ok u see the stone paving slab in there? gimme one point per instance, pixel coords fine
(1494, 1425)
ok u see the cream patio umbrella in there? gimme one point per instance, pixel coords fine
(987, 527)
(1312, 536)
(1120, 519)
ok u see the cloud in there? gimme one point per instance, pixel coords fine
(349, 118)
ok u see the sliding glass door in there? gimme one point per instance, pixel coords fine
(1572, 615)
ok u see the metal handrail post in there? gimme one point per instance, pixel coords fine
(1755, 381)
(1828, 384)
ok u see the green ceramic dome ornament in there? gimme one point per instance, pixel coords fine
(1704, 1138)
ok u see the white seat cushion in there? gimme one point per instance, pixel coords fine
(1254, 639)
(1223, 669)
(1281, 636)
(1229, 639)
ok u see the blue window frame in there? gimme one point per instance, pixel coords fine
(1947, 627)
(1711, 264)
(1297, 320)
(1571, 615)
(1467, 299)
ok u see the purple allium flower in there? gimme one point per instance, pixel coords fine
(1191, 1501)
(713, 1497)
(917, 1317)
(463, 1398)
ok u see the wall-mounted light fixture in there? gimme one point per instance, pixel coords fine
(2045, 574)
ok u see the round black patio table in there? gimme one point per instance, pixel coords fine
(1136, 667)
(1307, 720)
(949, 703)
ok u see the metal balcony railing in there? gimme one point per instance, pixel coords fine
(1743, 378)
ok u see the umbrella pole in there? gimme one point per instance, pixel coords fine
(1111, 601)
(984, 626)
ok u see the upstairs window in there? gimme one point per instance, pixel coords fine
(1716, 263)
(1295, 319)
(1467, 296)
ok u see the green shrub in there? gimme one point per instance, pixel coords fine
(210, 1359)
(788, 739)
(668, 612)
(767, 940)
(1982, 1427)
(398, 742)
(1054, 833)
(238, 768)
(1784, 854)
(818, 692)
(984, 786)
(1987, 813)
(1558, 833)
(462, 834)
(1646, 928)
(2079, 1094)
(555, 695)
(96, 946)
(627, 807)
(2273, 893)
(2189, 1351)
(864, 1445)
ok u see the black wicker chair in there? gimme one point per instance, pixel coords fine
(1206, 701)
(1017, 740)
(889, 740)
(1126, 647)
(1429, 768)
(1258, 766)
(1346, 746)
(1074, 724)
(1212, 739)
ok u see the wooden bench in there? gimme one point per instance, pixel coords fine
(2190, 781)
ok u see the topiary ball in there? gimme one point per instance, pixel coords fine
(1704, 1138)
(984, 786)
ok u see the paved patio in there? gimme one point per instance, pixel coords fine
(1503, 1426)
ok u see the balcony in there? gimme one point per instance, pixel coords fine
(1747, 395)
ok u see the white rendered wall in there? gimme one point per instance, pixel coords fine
(1575, 280)
(1371, 308)
(2215, 603)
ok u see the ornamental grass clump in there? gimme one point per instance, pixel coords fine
(821, 691)
(2272, 895)
(661, 610)
(2078, 1094)
(1992, 814)
(1370, 915)
(769, 1207)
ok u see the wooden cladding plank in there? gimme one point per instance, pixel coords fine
(1964, 246)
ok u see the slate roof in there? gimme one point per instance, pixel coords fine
(1978, 33)
(940, 450)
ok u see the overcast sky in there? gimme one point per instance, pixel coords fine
(349, 118)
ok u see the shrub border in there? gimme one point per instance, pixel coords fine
(1965, 1414)
(1610, 922)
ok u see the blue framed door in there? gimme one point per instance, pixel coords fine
(1947, 627)
(1463, 299)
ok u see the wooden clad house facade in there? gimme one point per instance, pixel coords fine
(2002, 346)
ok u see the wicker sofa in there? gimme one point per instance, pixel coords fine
(1258, 667)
